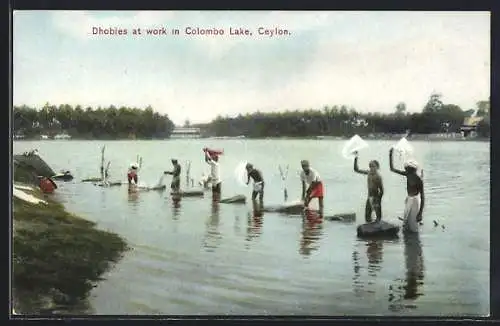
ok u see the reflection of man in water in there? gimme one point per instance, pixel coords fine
(374, 253)
(311, 232)
(133, 196)
(212, 234)
(414, 277)
(176, 205)
(356, 284)
(414, 265)
(254, 222)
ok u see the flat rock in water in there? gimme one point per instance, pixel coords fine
(295, 208)
(96, 179)
(238, 199)
(345, 217)
(63, 176)
(190, 193)
(161, 187)
(378, 229)
(109, 184)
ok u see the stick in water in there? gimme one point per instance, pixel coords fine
(102, 162)
(106, 172)
(188, 168)
(283, 178)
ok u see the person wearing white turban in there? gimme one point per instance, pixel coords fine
(415, 199)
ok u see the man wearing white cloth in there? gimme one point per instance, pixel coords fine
(258, 183)
(415, 200)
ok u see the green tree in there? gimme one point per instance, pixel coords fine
(401, 108)
(434, 103)
(483, 108)
(100, 123)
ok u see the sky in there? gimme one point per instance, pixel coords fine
(367, 60)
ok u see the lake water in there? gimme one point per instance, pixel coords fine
(197, 258)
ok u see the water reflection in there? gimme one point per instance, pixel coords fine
(357, 285)
(408, 289)
(374, 253)
(237, 228)
(312, 230)
(374, 250)
(133, 198)
(212, 234)
(254, 222)
(176, 207)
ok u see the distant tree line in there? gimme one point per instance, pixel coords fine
(89, 123)
(435, 117)
(125, 122)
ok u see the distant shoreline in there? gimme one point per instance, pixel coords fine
(414, 137)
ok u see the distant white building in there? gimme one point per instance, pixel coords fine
(185, 132)
(62, 136)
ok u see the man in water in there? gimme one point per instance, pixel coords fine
(312, 187)
(375, 189)
(213, 161)
(175, 185)
(258, 183)
(415, 200)
(132, 174)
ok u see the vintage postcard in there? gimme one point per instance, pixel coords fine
(304, 163)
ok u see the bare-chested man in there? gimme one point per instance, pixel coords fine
(258, 185)
(415, 200)
(375, 189)
(175, 185)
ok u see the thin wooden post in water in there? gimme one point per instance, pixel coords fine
(102, 162)
(284, 175)
(188, 168)
(106, 172)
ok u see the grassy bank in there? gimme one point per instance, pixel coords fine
(57, 256)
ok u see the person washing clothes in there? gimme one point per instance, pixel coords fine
(415, 199)
(213, 160)
(258, 183)
(312, 186)
(175, 185)
(132, 174)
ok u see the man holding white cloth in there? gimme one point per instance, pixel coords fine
(258, 183)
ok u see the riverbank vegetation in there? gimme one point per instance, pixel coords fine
(343, 121)
(340, 121)
(91, 123)
(57, 256)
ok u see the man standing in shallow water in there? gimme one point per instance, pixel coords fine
(415, 200)
(312, 187)
(213, 161)
(175, 185)
(375, 189)
(258, 186)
